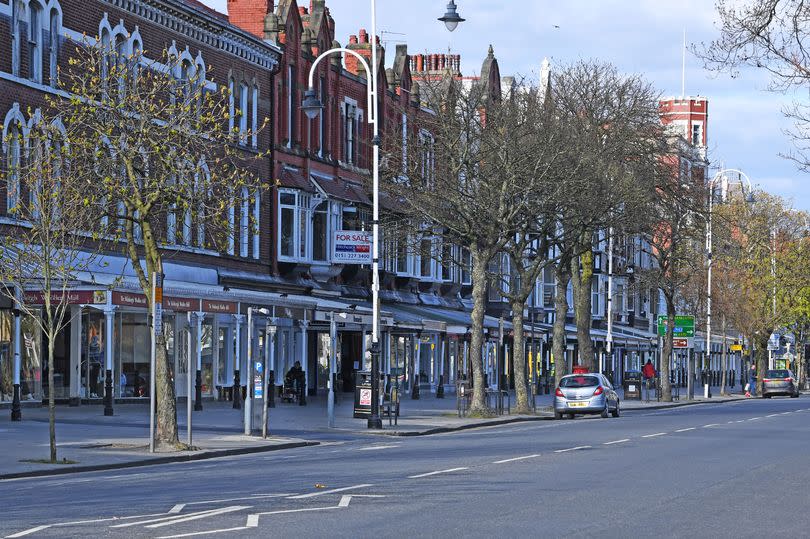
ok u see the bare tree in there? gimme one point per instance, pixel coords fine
(46, 248)
(169, 170)
(612, 129)
(491, 158)
(770, 35)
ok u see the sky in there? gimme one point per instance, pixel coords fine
(746, 128)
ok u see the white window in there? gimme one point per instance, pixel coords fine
(349, 131)
(254, 117)
(256, 223)
(35, 12)
(171, 217)
(202, 180)
(427, 163)
(231, 105)
(294, 225)
(426, 258)
(466, 267)
(549, 287)
(243, 113)
(231, 223)
(448, 265)
(596, 308)
(14, 144)
(17, 10)
(53, 53)
(244, 222)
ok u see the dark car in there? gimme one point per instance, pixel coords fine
(779, 382)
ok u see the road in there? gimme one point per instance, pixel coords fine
(728, 470)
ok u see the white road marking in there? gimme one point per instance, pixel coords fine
(686, 429)
(252, 521)
(617, 441)
(163, 518)
(207, 532)
(177, 508)
(786, 413)
(504, 461)
(577, 448)
(437, 472)
(740, 421)
(654, 435)
(375, 447)
(29, 531)
(215, 512)
(754, 418)
(729, 422)
(711, 425)
(772, 415)
(332, 491)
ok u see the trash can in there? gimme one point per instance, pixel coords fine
(362, 394)
(632, 385)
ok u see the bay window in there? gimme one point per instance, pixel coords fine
(294, 225)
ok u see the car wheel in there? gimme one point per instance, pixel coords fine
(795, 395)
(558, 415)
(615, 412)
(570, 416)
(604, 413)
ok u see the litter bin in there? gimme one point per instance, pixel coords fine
(632, 385)
(362, 394)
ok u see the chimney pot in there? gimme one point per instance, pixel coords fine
(353, 39)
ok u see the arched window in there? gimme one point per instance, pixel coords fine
(118, 63)
(17, 10)
(231, 222)
(53, 54)
(13, 144)
(38, 166)
(231, 105)
(203, 190)
(243, 113)
(106, 41)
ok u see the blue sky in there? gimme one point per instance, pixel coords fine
(746, 127)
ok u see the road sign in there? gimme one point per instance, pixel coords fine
(684, 326)
(680, 342)
(736, 348)
(773, 342)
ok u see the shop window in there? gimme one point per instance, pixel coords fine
(132, 354)
(244, 222)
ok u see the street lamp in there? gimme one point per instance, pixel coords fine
(721, 174)
(312, 106)
(451, 18)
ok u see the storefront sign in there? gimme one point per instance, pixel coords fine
(129, 300)
(224, 307)
(680, 343)
(71, 297)
(351, 247)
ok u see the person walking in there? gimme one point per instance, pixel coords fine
(751, 386)
(648, 372)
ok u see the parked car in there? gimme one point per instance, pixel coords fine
(779, 382)
(588, 393)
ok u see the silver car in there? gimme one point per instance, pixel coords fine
(589, 393)
(779, 382)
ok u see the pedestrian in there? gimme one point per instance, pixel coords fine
(648, 372)
(751, 386)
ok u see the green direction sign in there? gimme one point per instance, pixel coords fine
(684, 326)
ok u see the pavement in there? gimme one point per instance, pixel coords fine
(88, 440)
(735, 469)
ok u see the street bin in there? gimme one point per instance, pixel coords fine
(632, 385)
(362, 394)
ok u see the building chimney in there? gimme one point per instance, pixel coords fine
(249, 15)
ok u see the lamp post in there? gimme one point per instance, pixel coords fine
(312, 106)
(721, 174)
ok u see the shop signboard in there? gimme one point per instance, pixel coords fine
(736, 347)
(71, 297)
(219, 307)
(679, 342)
(351, 247)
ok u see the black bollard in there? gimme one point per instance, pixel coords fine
(440, 388)
(271, 388)
(198, 392)
(302, 394)
(236, 391)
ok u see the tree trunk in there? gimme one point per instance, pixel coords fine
(723, 359)
(166, 421)
(761, 358)
(581, 277)
(666, 353)
(519, 360)
(51, 399)
(479, 293)
(563, 275)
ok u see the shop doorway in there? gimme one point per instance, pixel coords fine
(351, 359)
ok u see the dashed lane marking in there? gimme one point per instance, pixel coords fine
(577, 448)
(772, 415)
(177, 508)
(376, 447)
(686, 429)
(437, 472)
(332, 491)
(240, 499)
(513, 459)
(654, 435)
(711, 425)
(617, 441)
(29, 531)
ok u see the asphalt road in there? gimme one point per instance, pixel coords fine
(729, 470)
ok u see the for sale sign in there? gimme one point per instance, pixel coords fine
(351, 247)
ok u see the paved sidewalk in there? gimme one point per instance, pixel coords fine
(94, 441)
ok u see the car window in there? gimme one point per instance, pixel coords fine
(579, 381)
(777, 373)
(606, 382)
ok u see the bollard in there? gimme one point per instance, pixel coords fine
(440, 388)
(707, 391)
(236, 392)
